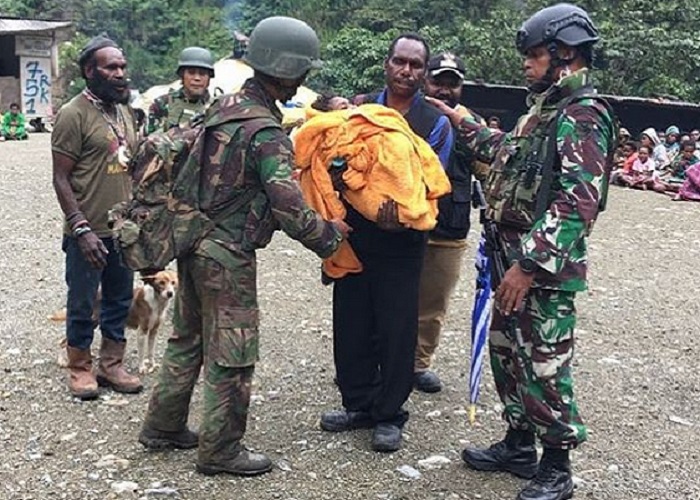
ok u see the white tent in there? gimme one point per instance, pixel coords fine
(229, 76)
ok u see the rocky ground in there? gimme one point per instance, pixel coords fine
(636, 375)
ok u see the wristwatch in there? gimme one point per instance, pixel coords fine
(527, 265)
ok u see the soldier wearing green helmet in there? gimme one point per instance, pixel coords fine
(247, 161)
(195, 68)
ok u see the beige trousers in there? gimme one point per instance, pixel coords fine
(441, 267)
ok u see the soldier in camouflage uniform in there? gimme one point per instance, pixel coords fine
(548, 250)
(177, 108)
(216, 311)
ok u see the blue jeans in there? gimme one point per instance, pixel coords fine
(83, 281)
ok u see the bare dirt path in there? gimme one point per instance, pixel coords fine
(636, 374)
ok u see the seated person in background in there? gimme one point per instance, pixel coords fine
(695, 136)
(651, 140)
(623, 165)
(690, 189)
(629, 150)
(673, 177)
(641, 174)
(619, 156)
(13, 125)
(671, 143)
(494, 122)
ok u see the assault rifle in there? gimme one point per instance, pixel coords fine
(499, 262)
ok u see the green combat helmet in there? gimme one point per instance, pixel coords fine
(564, 23)
(196, 57)
(283, 47)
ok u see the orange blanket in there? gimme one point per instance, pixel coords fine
(386, 160)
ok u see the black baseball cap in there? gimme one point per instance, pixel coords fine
(444, 62)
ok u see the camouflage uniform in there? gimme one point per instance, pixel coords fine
(173, 109)
(542, 399)
(216, 311)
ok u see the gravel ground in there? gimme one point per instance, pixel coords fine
(636, 375)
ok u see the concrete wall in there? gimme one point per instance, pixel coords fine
(9, 92)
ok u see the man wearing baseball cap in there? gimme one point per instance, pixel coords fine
(448, 241)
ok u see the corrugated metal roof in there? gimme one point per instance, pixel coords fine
(647, 101)
(17, 26)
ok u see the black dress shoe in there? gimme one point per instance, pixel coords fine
(427, 382)
(552, 482)
(342, 420)
(386, 438)
(510, 455)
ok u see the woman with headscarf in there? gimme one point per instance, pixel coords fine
(672, 144)
(650, 139)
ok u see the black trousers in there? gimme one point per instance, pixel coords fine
(375, 327)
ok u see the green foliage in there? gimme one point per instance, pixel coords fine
(649, 47)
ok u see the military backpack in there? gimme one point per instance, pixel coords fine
(163, 221)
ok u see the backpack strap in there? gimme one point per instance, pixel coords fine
(551, 158)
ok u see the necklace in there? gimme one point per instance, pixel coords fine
(117, 124)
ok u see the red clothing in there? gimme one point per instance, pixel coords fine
(629, 161)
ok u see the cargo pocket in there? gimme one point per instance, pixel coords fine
(461, 199)
(235, 340)
(553, 323)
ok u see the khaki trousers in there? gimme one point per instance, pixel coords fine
(441, 268)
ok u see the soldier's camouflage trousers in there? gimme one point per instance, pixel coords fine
(215, 326)
(536, 384)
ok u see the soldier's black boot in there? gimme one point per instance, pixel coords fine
(515, 454)
(553, 480)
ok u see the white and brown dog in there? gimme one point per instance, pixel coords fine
(146, 314)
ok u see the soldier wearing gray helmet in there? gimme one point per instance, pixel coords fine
(195, 68)
(547, 184)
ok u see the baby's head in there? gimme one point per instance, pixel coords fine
(327, 102)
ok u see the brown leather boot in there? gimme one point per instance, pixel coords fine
(81, 380)
(110, 370)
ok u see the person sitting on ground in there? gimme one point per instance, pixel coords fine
(619, 156)
(624, 164)
(641, 174)
(13, 125)
(671, 143)
(673, 177)
(695, 136)
(494, 122)
(651, 140)
(690, 189)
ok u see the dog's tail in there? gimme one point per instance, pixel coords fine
(58, 316)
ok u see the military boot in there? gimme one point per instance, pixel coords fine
(246, 463)
(167, 440)
(553, 480)
(81, 380)
(111, 372)
(515, 454)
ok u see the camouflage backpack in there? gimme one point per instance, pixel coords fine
(163, 221)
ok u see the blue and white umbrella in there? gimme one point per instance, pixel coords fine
(481, 321)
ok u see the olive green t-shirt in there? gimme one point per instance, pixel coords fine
(82, 133)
